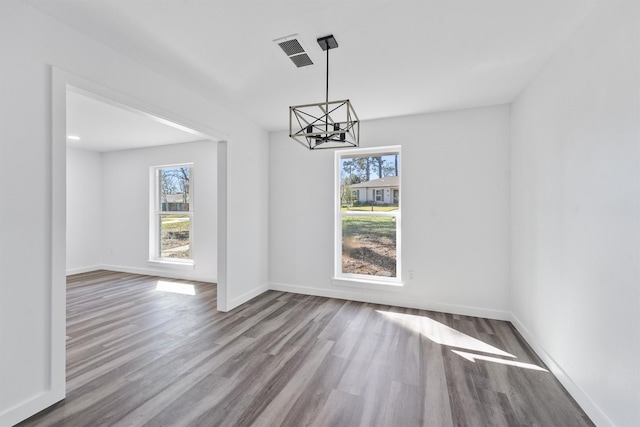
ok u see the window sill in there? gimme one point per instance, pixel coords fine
(172, 263)
(362, 283)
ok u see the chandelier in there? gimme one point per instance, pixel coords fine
(328, 124)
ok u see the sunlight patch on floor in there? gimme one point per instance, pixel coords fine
(473, 357)
(441, 334)
(175, 288)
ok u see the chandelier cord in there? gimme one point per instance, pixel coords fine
(326, 122)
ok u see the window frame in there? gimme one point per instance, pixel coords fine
(156, 212)
(363, 280)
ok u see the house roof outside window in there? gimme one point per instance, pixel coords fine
(386, 182)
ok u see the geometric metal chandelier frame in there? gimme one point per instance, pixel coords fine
(328, 124)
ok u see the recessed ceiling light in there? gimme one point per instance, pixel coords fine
(73, 137)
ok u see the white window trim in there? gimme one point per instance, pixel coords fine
(363, 280)
(154, 215)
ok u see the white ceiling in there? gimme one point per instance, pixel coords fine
(103, 126)
(394, 57)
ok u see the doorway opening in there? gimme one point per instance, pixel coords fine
(65, 87)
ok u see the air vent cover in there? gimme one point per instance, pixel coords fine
(292, 47)
(301, 60)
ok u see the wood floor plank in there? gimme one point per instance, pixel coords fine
(275, 413)
(436, 405)
(312, 399)
(402, 407)
(137, 356)
(340, 410)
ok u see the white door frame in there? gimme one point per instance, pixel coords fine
(61, 82)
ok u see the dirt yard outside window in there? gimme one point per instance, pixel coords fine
(174, 238)
(369, 245)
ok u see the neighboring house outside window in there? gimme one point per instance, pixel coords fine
(368, 224)
(377, 191)
(171, 222)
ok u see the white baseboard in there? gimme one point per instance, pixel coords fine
(247, 296)
(588, 406)
(29, 407)
(393, 299)
(80, 270)
(171, 274)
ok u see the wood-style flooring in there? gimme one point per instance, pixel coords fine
(138, 356)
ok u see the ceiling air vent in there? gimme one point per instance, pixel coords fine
(292, 47)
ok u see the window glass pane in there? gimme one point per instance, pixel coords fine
(369, 245)
(174, 236)
(174, 189)
(369, 180)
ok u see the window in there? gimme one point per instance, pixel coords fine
(171, 230)
(368, 232)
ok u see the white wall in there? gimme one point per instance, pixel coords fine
(455, 212)
(125, 193)
(108, 195)
(576, 214)
(31, 271)
(247, 231)
(84, 210)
